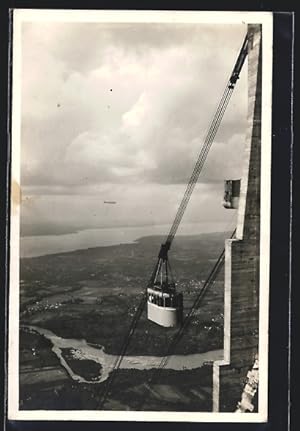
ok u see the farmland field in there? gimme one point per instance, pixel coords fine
(92, 295)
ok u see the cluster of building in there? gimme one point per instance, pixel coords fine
(41, 306)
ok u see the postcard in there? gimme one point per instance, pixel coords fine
(140, 216)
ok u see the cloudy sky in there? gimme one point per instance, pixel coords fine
(119, 112)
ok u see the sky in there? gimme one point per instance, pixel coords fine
(118, 112)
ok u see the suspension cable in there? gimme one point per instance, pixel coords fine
(214, 126)
(200, 162)
(177, 337)
(124, 347)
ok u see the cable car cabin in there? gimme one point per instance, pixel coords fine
(231, 194)
(165, 306)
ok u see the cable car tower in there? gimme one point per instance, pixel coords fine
(164, 304)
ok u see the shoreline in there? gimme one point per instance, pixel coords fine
(159, 237)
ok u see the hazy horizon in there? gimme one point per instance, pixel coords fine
(41, 245)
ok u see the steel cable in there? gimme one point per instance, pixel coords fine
(190, 187)
(199, 165)
(194, 177)
(208, 282)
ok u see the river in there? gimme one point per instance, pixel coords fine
(81, 350)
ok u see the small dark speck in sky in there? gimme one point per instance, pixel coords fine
(110, 89)
(58, 105)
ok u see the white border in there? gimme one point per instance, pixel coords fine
(265, 217)
(266, 19)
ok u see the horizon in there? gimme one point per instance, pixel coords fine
(37, 246)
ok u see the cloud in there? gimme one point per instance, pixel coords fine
(110, 104)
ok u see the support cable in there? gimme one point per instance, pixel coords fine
(200, 162)
(177, 337)
(214, 126)
(194, 177)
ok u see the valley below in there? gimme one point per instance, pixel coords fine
(90, 296)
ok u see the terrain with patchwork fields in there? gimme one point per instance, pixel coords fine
(92, 295)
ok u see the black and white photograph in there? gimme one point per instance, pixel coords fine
(140, 215)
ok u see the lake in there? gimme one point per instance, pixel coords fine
(31, 246)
